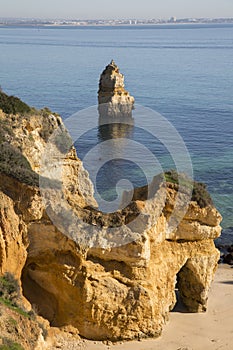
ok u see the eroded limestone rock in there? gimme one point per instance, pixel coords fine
(13, 238)
(119, 292)
(114, 100)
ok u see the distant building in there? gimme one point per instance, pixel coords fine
(172, 20)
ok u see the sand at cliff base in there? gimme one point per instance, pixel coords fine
(212, 330)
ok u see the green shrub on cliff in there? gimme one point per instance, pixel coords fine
(14, 164)
(13, 105)
(9, 288)
(8, 344)
(199, 193)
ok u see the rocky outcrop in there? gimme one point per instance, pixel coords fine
(122, 291)
(228, 256)
(113, 99)
(13, 238)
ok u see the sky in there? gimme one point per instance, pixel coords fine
(105, 9)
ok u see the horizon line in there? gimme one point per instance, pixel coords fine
(112, 19)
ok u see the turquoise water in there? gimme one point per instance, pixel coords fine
(185, 73)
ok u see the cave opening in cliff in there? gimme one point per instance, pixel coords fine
(179, 305)
(43, 303)
(191, 291)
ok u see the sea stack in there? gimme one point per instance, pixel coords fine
(114, 100)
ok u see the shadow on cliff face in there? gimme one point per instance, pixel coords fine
(14, 164)
(190, 290)
(43, 302)
(53, 276)
(179, 306)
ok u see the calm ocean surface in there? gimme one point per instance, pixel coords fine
(184, 72)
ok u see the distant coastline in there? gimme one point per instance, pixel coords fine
(110, 22)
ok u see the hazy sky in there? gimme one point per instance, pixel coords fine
(91, 9)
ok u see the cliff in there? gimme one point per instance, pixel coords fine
(120, 292)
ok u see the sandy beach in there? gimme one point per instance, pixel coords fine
(212, 330)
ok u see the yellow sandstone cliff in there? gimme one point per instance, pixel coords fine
(121, 292)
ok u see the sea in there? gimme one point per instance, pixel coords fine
(183, 72)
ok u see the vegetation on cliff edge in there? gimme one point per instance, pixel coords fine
(10, 293)
(200, 193)
(13, 105)
(19, 329)
(14, 164)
